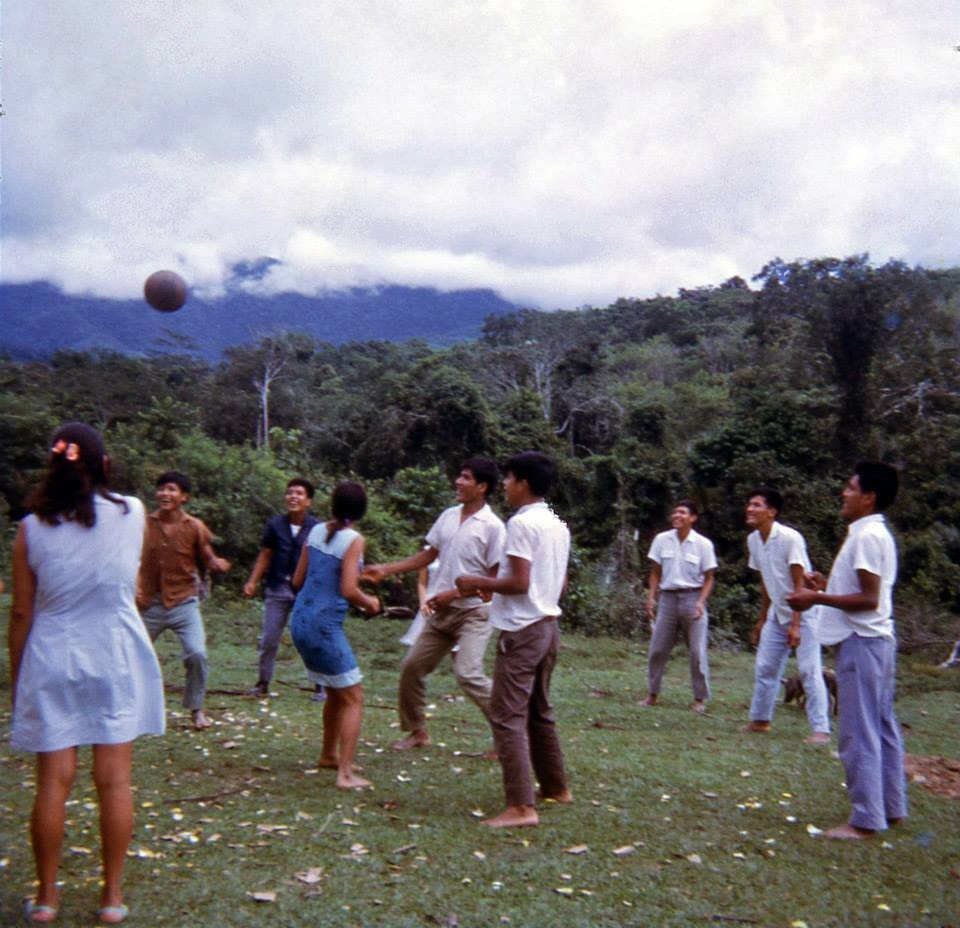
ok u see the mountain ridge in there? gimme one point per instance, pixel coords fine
(37, 319)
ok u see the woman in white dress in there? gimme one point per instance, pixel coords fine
(84, 671)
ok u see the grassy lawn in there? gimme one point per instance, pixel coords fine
(678, 819)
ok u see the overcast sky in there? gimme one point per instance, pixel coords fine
(559, 152)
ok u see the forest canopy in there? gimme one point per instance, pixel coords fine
(705, 394)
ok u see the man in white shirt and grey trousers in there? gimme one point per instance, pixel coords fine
(857, 619)
(682, 572)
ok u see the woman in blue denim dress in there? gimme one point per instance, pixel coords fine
(327, 579)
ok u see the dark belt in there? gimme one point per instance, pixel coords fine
(694, 589)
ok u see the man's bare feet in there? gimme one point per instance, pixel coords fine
(563, 796)
(351, 781)
(894, 822)
(847, 832)
(699, 706)
(416, 739)
(819, 737)
(200, 720)
(651, 700)
(756, 725)
(514, 817)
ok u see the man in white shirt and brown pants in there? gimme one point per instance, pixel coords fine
(682, 572)
(466, 538)
(526, 610)
(857, 619)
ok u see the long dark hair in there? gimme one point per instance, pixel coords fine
(348, 503)
(76, 471)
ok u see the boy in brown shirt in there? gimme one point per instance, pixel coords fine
(174, 548)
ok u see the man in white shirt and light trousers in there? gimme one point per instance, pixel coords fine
(682, 572)
(857, 619)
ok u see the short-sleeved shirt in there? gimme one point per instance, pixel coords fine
(285, 541)
(472, 546)
(538, 535)
(868, 546)
(682, 563)
(171, 559)
(774, 557)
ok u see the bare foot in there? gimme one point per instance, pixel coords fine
(563, 796)
(200, 720)
(847, 832)
(755, 725)
(351, 781)
(416, 739)
(894, 822)
(699, 706)
(332, 763)
(513, 817)
(651, 700)
(819, 737)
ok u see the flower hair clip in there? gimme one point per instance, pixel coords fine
(70, 451)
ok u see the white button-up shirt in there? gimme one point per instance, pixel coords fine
(471, 546)
(538, 535)
(868, 546)
(682, 563)
(774, 557)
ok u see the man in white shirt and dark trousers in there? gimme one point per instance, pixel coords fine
(779, 553)
(682, 573)
(857, 618)
(467, 538)
(526, 610)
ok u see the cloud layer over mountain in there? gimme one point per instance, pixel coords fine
(561, 152)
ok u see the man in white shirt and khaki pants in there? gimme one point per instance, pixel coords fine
(466, 538)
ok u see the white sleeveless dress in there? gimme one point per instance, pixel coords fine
(89, 674)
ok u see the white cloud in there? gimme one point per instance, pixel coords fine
(560, 152)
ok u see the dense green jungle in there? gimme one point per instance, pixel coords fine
(787, 381)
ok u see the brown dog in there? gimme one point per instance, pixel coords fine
(793, 689)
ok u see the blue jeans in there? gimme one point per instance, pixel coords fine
(184, 619)
(772, 653)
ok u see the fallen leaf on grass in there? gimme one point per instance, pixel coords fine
(81, 851)
(624, 850)
(577, 849)
(479, 855)
(311, 876)
(564, 890)
(813, 831)
(263, 897)
(694, 858)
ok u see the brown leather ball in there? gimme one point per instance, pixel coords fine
(165, 291)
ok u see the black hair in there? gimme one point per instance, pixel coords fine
(76, 471)
(689, 504)
(880, 479)
(536, 468)
(302, 482)
(174, 476)
(484, 471)
(348, 504)
(770, 496)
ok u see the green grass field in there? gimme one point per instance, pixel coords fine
(677, 819)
